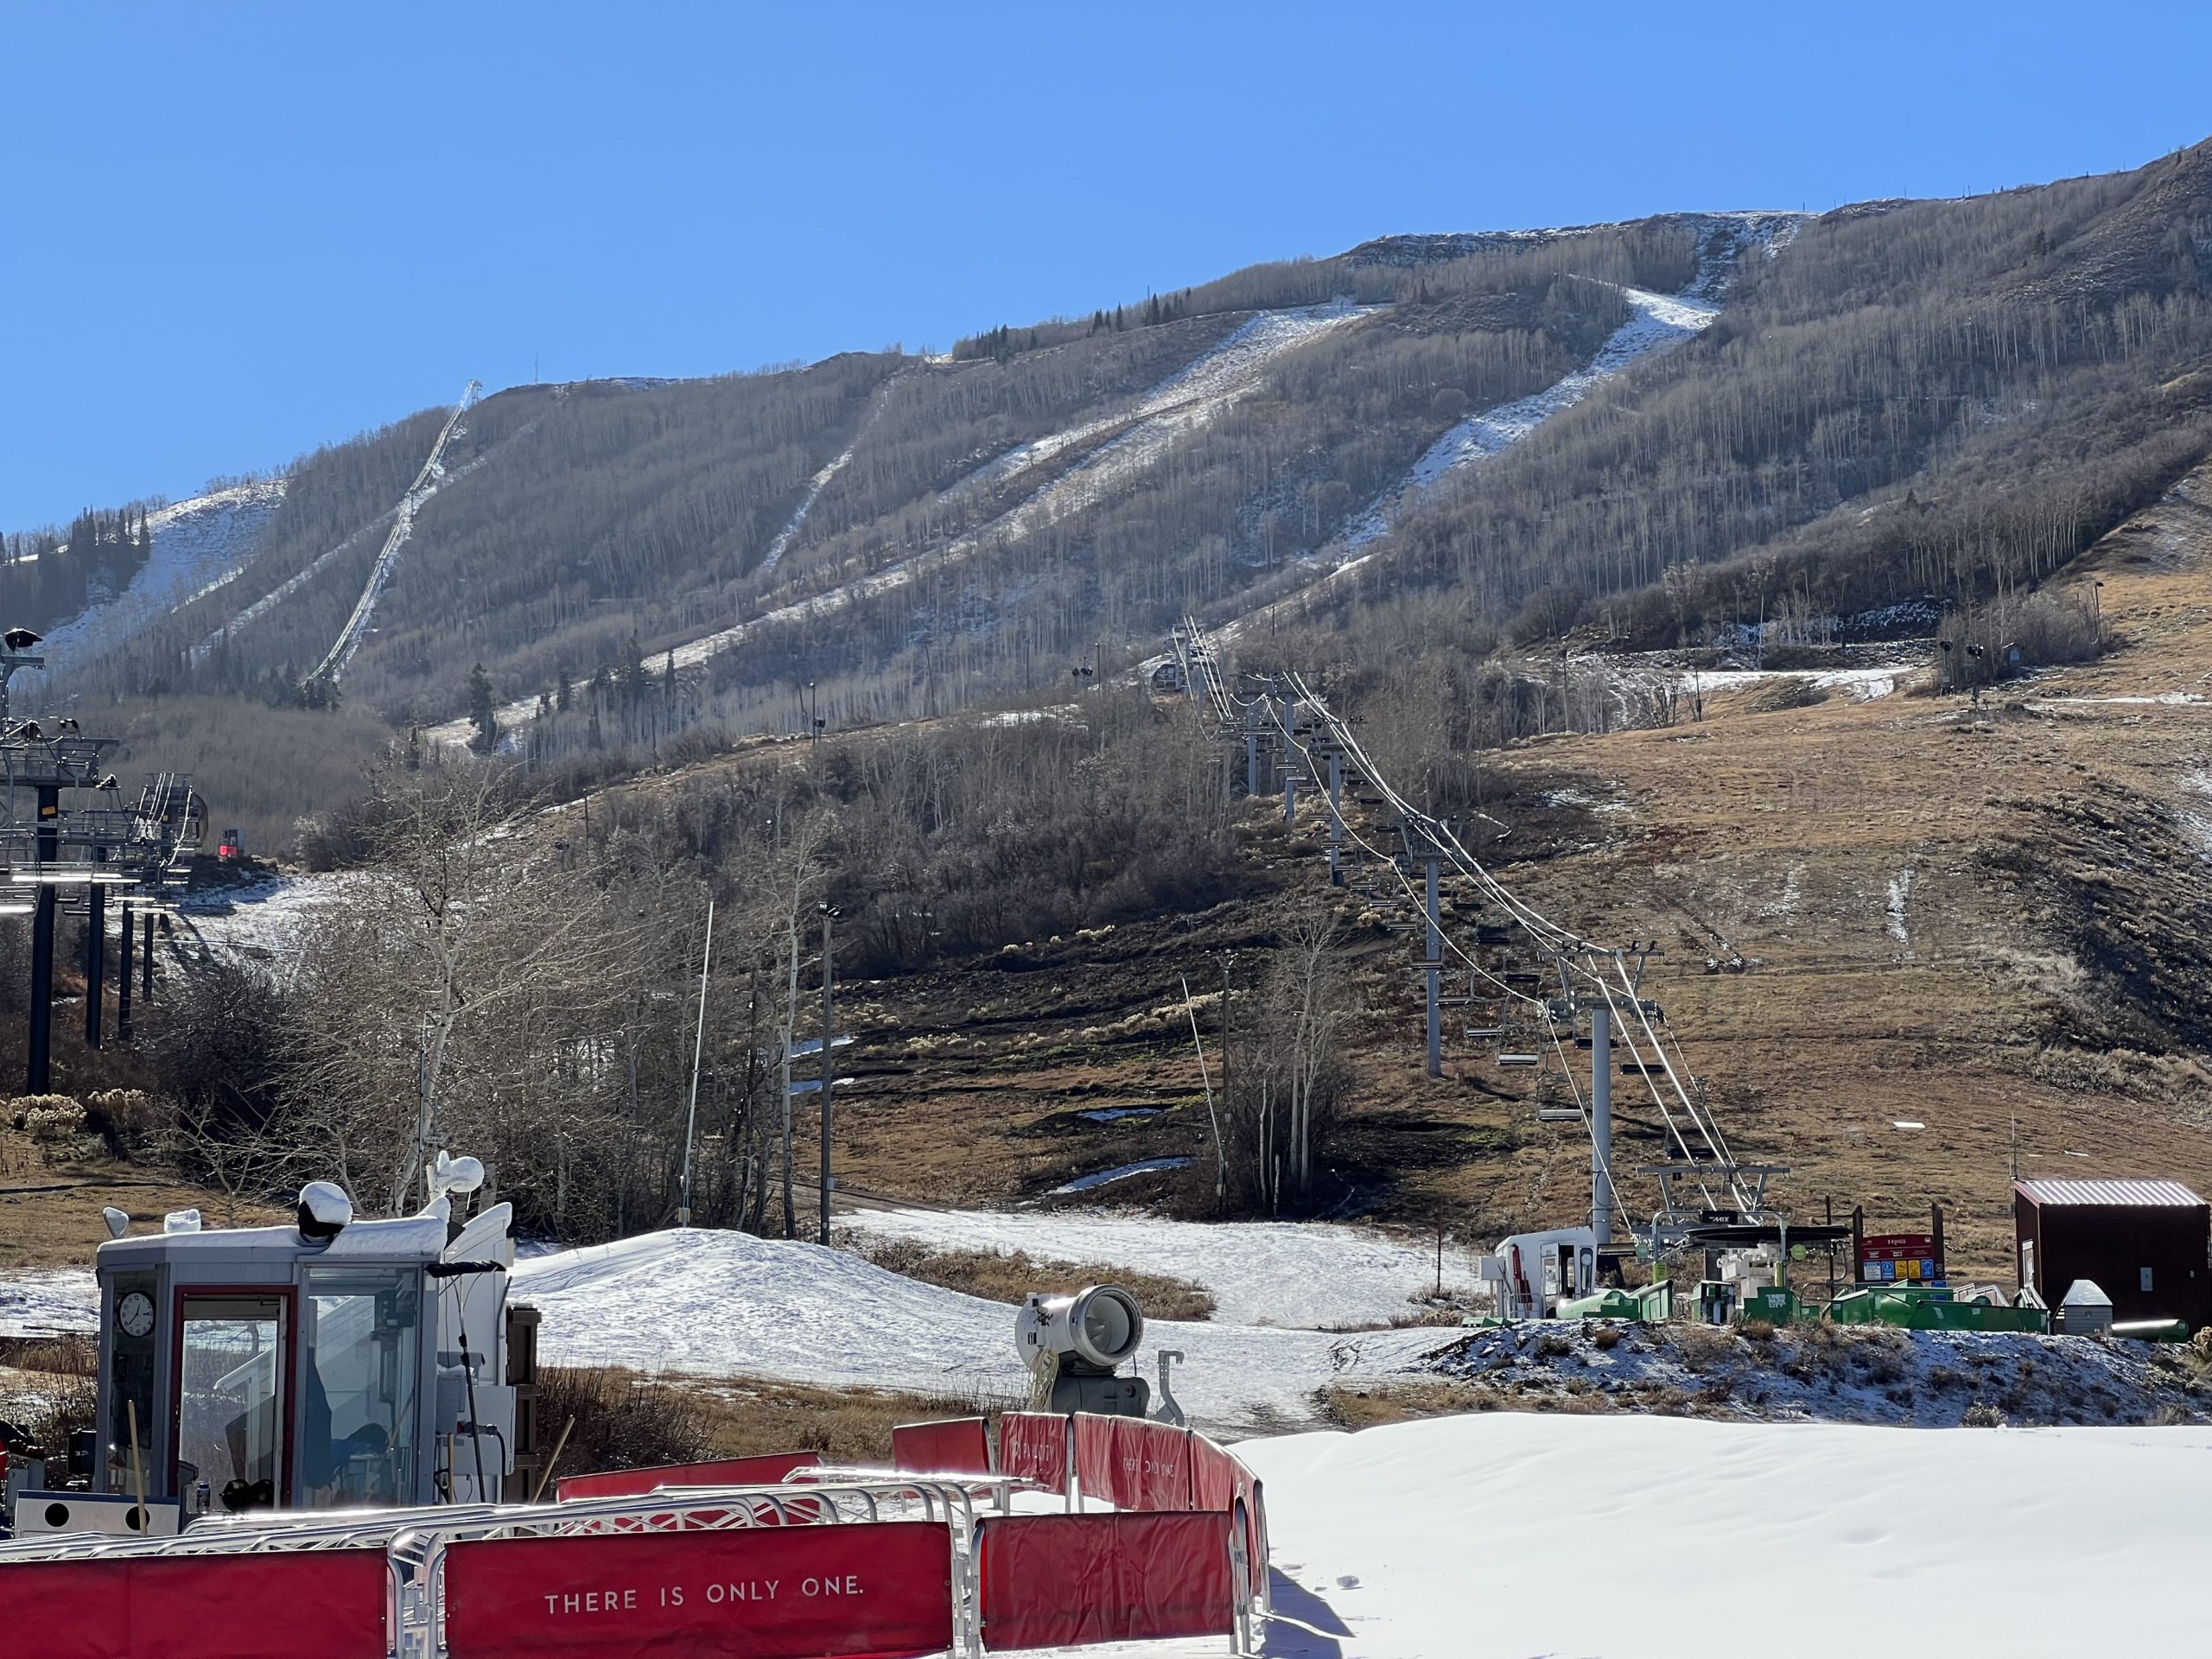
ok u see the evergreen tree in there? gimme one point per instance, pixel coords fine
(561, 693)
(482, 713)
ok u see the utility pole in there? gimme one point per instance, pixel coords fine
(1228, 959)
(1336, 818)
(146, 963)
(95, 950)
(830, 913)
(1434, 965)
(698, 1046)
(1601, 1122)
(1252, 750)
(42, 1022)
(1289, 770)
(122, 972)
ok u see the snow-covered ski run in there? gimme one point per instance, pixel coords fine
(200, 545)
(426, 485)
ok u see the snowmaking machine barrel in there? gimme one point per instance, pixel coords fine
(1082, 1341)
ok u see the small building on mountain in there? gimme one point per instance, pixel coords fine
(2147, 1245)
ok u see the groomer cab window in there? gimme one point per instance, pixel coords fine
(233, 1396)
(359, 1434)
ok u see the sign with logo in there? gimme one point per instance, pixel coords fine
(869, 1591)
(1900, 1258)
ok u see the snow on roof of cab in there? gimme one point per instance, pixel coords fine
(2108, 1192)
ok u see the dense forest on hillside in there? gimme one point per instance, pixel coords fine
(1926, 404)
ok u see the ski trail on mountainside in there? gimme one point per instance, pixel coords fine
(1661, 322)
(1186, 402)
(820, 481)
(198, 545)
(292, 584)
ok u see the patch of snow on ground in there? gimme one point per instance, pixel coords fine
(1868, 683)
(719, 1303)
(1312, 1275)
(1900, 891)
(1120, 1172)
(262, 923)
(2199, 822)
(50, 1302)
(1466, 1537)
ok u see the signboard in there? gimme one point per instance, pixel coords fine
(864, 1591)
(1900, 1258)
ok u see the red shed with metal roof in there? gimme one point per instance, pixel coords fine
(2147, 1244)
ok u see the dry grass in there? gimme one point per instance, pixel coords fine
(626, 1421)
(48, 1388)
(1011, 1275)
(50, 1201)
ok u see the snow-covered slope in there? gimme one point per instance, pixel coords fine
(1312, 1275)
(1513, 1533)
(726, 1303)
(198, 545)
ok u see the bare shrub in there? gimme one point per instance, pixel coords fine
(622, 1421)
(1011, 1275)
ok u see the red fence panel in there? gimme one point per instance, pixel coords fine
(957, 1445)
(1213, 1476)
(1155, 1465)
(1097, 1466)
(765, 1471)
(1033, 1445)
(1060, 1580)
(862, 1591)
(324, 1604)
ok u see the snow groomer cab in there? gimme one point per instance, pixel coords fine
(331, 1364)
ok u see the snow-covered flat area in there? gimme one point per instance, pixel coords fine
(46, 1302)
(262, 922)
(1313, 1276)
(1865, 683)
(1513, 1533)
(715, 1303)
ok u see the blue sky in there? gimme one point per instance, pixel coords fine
(235, 232)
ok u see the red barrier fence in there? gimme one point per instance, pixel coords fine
(957, 1445)
(875, 1591)
(1213, 1476)
(1135, 1465)
(763, 1470)
(328, 1604)
(1033, 1445)
(1059, 1581)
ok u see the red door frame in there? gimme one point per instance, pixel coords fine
(289, 1295)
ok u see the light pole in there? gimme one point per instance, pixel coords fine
(830, 913)
(698, 1044)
